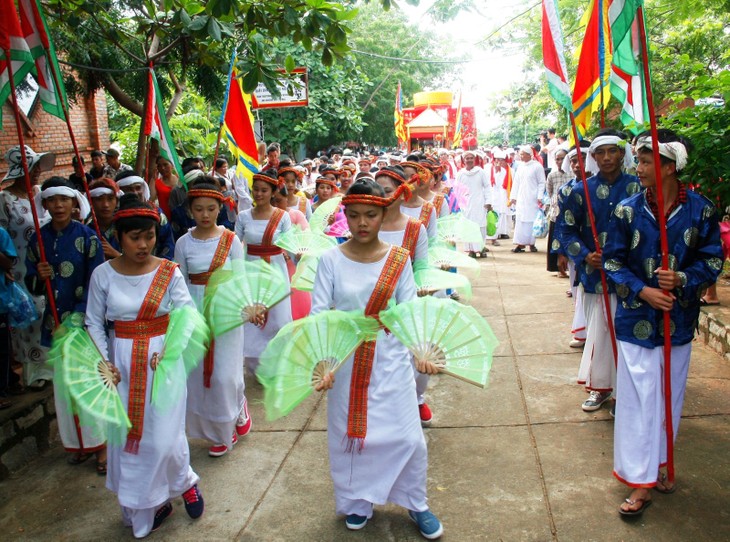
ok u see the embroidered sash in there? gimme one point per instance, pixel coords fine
(425, 217)
(267, 249)
(410, 237)
(357, 416)
(438, 202)
(201, 279)
(141, 330)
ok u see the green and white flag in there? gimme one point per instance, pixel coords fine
(155, 125)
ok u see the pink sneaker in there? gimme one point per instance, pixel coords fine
(243, 423)
(218, 450)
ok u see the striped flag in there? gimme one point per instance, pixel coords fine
(398, 118)
(553, 55)
(594, 66)
(627, 83)
(237, 120)
(13, 48)
(155, 125)
(36, 34)
(458, 126)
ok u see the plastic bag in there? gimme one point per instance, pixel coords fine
(540, 226)
(21, 308)
(492, 218)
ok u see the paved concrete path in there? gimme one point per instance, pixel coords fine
(518, 461)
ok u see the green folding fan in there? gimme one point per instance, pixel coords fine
(443, 257)
(432, 280)
(318, 222)
(303, 352)
(298, 241)
(249, 289)
(186, 342)
(452, 336)
(456, 228)
(89, 380)
(303, 278)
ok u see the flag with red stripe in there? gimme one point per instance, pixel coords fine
(553, 54)
(155, 125)
(14, 49)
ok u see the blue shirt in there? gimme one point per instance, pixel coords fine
(633, 253)
(73, 253)
(575, 230)
(563, 192)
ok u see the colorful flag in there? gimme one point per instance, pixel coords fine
(553, 55)
(155, 125)
(458, 125)
(36, 34)
(13, 47)
(627, 83)
(237, 120)
(398, 117)
(594, 66)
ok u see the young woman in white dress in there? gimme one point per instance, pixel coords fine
(417, 207)
(130, 299)
(376, 446)
(216, 409)
(258, 228)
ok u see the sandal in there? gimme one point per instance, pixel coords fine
(78, 458)
(645, 503)
(518, 249)
(101, 468)
(662, 487)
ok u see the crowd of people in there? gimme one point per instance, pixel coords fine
(124, 252)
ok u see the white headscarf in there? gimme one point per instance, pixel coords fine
(134, 179)
(565, 167)
(674, 150)
(84, 208)
(600, 141)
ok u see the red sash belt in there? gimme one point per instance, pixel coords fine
(264, 251)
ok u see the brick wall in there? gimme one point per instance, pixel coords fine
(46, 133)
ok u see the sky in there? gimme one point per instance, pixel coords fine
(489, 72)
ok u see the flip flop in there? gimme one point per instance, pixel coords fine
(101, 468)
(645, 503)
(708, 303)
(517, 249)
(78, 458)
(662, 479)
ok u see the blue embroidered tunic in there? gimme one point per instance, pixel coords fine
(575, 230)
(633, 253)
(73, 253)
(564, 191)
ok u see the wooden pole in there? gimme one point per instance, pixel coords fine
(29, 187)
(664, 244)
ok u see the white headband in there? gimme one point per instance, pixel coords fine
(674, 150)
(565, 167)
(84, 208)
(526, 149)
(135, 179)
(600, 141)
(101, 191)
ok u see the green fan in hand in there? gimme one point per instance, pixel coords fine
(249, 290)
(431, 280)
(456, 228)
(444, 257)
(319, 220)
(297, 241)
(303, 278)
(304, 352)
(442, 332)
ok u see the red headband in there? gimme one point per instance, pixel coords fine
(283, 171)
(140, 212)
(367, 199)
(265, 178)
(205, 193)
(421, 177)
(325, 180)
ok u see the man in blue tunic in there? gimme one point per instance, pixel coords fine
(609, 156)
(632, 258)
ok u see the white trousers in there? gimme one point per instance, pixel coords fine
(523, 233)
(141, 521)
(597, 366)
(474, 247)
(578, 328)
(640, 438)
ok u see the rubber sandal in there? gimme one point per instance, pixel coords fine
(662, 479)
(78, 458)
(645, 503)
(101, 468)
(518, 249)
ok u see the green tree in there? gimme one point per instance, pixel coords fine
(190, 41)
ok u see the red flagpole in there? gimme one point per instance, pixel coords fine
(594, 232)
(662, 220)
(29, 187)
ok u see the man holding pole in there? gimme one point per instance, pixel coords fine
(632, 260)
(609, 155)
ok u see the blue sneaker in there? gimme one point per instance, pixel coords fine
(355, 522)
(194, 504)
(163, 512)
(428, 524)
